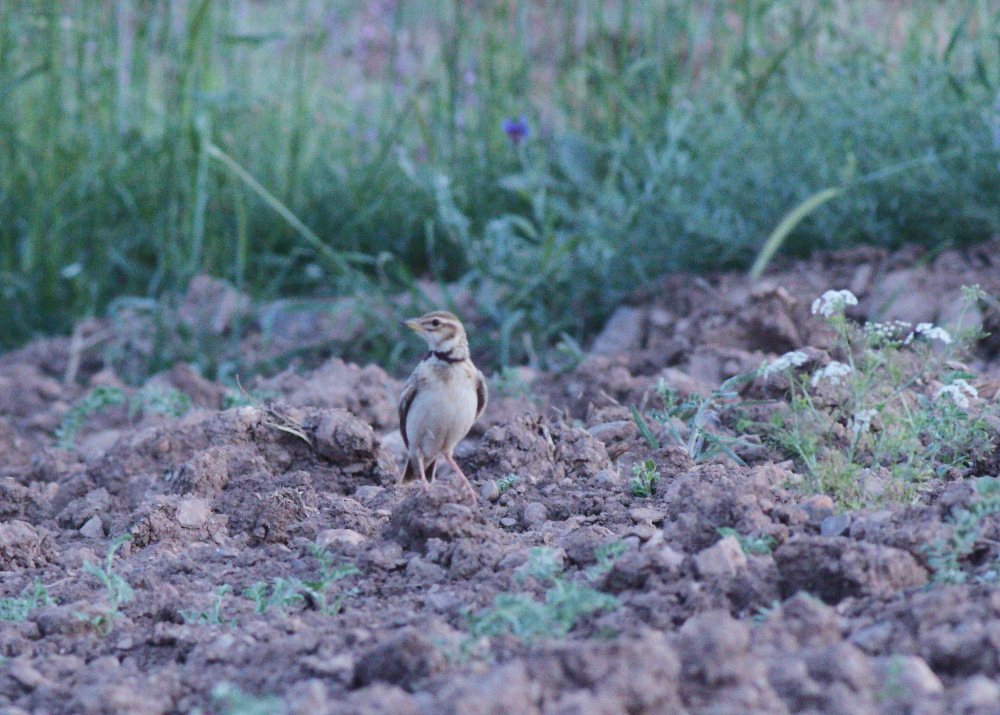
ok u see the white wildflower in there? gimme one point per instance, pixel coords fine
(786, 361)
(862, 421)
(833, 301)
(960, 391)
(833, 373)
(931, 332)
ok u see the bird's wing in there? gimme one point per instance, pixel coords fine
(482, 393)
(405, 400)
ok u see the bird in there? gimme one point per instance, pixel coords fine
(441, 400)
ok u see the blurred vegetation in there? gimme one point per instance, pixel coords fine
(333, 148)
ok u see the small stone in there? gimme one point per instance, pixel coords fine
(977, 693)
(340, 537)
(907, 674)
(608, 478)
(508, 522)
(367, 492)
(614, 431)
(724, 558)
(535, 514)
(93, 528)
(644, 530)
(193, 512)
(641, 513)
(25, 673)
(669, 557)
(836, 525)
(490, 491)
(622, 333)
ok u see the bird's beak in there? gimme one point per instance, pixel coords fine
(414, 325)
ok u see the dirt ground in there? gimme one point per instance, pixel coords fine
(840, 615)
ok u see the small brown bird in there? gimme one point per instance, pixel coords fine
(442, 399)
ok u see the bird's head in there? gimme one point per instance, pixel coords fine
(443, 332)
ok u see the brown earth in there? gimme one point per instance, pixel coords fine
(841, 616)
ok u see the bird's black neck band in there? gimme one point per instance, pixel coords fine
(448, 357)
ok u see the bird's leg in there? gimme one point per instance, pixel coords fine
(461, 475)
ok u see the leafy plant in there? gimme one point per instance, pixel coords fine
(118, 590)
(233, 701)
(97, 400)
(751, 544)
(946, 555)
(283, 593)
(566, 603)
(17, 608)
(644, 482)
(864, 427)
(505, 483)
(212, 616)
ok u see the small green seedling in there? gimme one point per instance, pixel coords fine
(118, 589)
(98, 400)
(214, 615)
(643, 484)
(507, 482)
(17, 608)
(759, 544)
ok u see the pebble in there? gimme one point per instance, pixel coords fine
(367, 492)
(835, 525)
(724, 558)
(93, 528)
(641, 513)
(193, 512)
(508, 521)
(608, 478)
(490, 491)
(340, 537)
(535, 514)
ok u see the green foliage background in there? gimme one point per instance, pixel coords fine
(328, 147)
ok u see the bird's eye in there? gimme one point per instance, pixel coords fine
(435, 323)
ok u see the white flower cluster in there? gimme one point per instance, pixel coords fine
(929, 331)
(786, 361)
(960, 391)
(862, 421)
(892, 330)
(833, 301)
(832, 373)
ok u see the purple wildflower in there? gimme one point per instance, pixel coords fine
(516, 129)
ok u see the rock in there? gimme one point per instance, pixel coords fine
(21, 670)
(623, 332)
(343, 438)
(608, 478)
(725, 558)
(906, 677)
(193, 512)
(93, 528)
(402, 660)
(836, 525)
(367, 492)
(490, 491)
(24, 546)
(614, 431)
(340, 537)
(641, 514)
(508, 522)
(835, 568)
(977, 694)
(534, 514)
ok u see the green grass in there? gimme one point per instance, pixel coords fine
(327, 148)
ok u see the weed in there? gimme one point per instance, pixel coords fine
(284, 593)
(945, 555)
(866, 427)
(759, 544)
(170, 402)
(118, 589)
(505, 483)
(566, 603)
(509, 383)
(643, 484)
(233, 701)
(214, 615)
(97, 400)
(17, 608)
